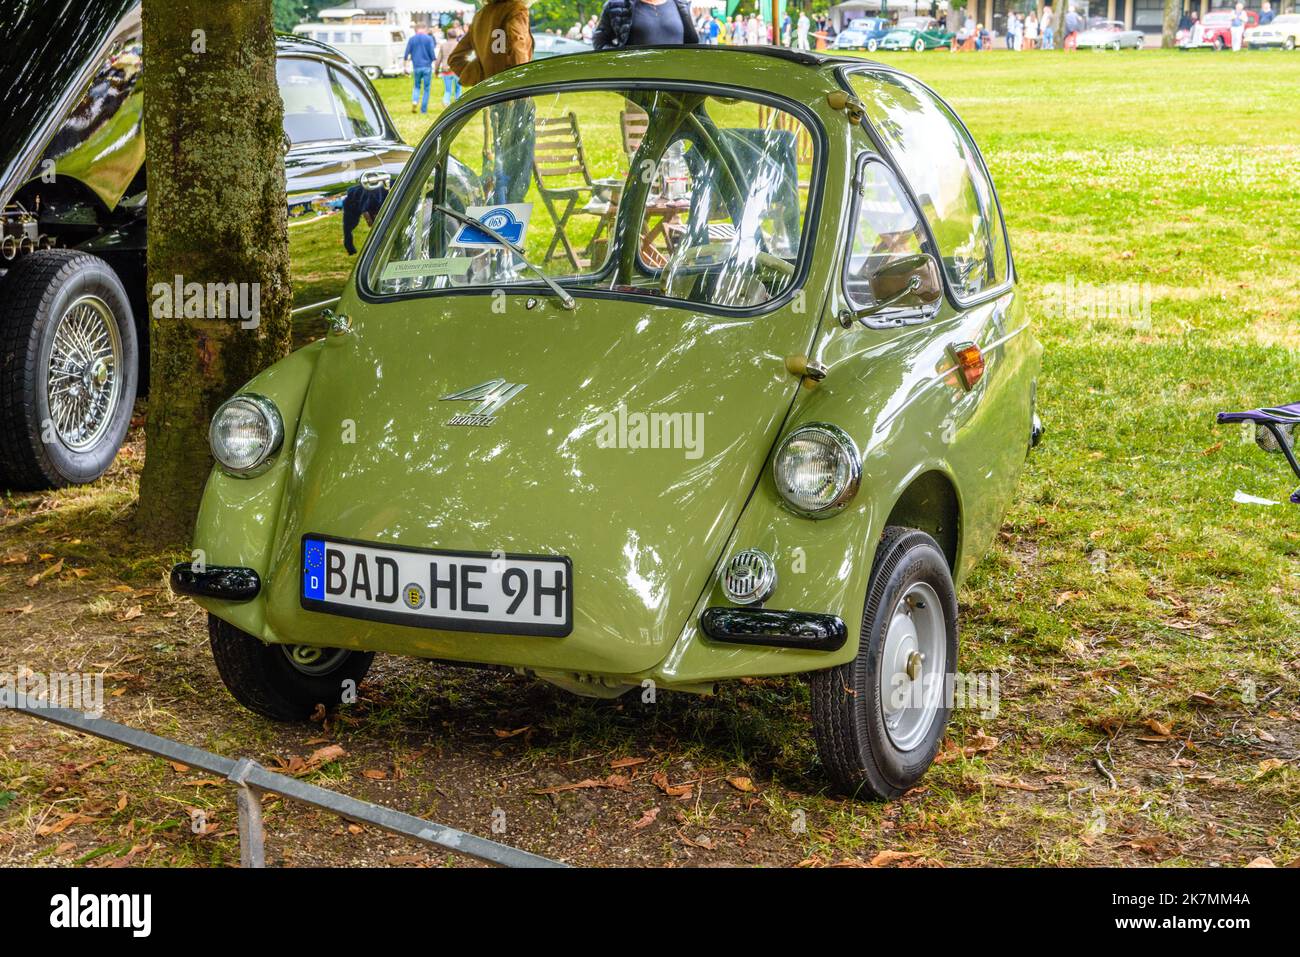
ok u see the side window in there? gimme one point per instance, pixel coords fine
(945, 174)
(309, 111)
(885, 228)
(360, 121)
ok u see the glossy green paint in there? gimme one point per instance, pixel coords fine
(367, 453)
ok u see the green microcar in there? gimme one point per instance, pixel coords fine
(711, 366)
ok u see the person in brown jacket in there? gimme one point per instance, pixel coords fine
(501, 37)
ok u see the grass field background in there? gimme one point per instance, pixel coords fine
(1144, 628)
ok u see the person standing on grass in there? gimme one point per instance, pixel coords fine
(498, 38)
(1031, 31)
(1046, 25)
(642, 23)
(450, 81)
(421, 52)
(801, 31)
(1071, 26)
(1238, 25)
(1266, 14)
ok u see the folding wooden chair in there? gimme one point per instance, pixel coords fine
(558, 158)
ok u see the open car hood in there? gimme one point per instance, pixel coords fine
(50, 51)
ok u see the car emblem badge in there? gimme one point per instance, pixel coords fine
(490, 396)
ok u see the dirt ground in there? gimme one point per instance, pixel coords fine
(686, 781)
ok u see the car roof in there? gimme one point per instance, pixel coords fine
(295, 43)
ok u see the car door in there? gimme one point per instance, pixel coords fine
(943, 177)
(325, 115)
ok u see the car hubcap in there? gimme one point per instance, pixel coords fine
(913, 667)
(84, 384)
(311, 660)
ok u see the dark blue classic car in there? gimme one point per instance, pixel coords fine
(73, 317)
(864, 33)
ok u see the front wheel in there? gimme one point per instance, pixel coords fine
(284, 682)
(1218, 44)
(872, 44)
(879, 719)
(919, 46)
(69, 368)
(372, 72)
(1288, 43)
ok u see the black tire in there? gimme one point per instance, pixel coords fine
(1288, 43)
(847, 707)
(38, 290)
(262, 678)
(1218, 44)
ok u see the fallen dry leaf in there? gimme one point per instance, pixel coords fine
(1016, 784)
(1262, 862)
(131, 614)
(20, 610)
(741, 783)
(65, 821)
(646, 819)
(660, 780)
(510, 734)
(375, 774)
(627, 762)
(979, 743)
(1159, 727)
(40, 576)
(613, 781)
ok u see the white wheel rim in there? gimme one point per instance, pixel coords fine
(84, 375)
(913, 667)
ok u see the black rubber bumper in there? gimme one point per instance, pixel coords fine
(228, 583)
(781, 629)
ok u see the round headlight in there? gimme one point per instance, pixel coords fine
(817, 470)
(245, 433)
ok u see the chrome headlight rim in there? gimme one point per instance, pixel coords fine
(275, 424)
(850, 449)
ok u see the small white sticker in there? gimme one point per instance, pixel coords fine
(414, 268)
(508, 219)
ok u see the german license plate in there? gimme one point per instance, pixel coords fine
(433, 588)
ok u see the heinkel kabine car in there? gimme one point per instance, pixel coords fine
(710, 380)
(1110, 35)
(74, 331)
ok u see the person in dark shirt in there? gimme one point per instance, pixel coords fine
(636, 23)
(422, 53)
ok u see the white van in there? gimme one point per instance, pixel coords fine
(377, 48)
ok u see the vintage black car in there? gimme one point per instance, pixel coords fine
(73, 316)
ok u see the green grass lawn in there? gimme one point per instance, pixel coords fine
(1138, 621)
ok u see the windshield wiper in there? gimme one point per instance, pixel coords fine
(566, 300)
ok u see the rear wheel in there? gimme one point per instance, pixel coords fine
(283, 682)
(919, 46)
(879, 719)
(1288, 43)
(1218, 44)
(69, 368)
(372, 72)
(872, 44)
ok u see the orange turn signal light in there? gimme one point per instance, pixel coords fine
(970, 362)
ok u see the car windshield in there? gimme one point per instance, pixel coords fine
(673, 194)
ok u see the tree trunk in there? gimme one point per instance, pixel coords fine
(1173, 13)
(213, 125)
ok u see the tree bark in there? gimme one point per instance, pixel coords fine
(213, 125)
(1169, 27)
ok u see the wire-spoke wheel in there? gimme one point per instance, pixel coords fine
(83, 378)
(69, 367)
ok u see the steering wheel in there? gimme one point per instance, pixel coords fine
(687, 264)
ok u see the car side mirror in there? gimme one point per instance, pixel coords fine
(909, 282)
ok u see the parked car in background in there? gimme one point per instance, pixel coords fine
(862, 33)
(811, 305)
(552, 44)
(377, 48)
(1215, 30)
(74, 330)
(1110, 35)
(1283, 32)
(917, 33)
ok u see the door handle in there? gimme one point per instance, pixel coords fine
(375, 179)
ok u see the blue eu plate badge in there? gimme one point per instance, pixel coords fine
(313, 569)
